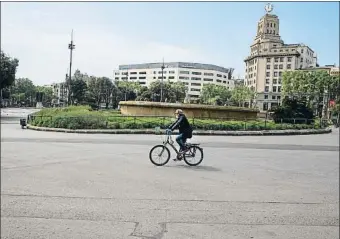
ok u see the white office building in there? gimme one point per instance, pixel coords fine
(194, 75)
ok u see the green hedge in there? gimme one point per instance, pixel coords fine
(84, 118)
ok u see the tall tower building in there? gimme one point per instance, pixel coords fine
(270, 57)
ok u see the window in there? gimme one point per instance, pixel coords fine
(194, 89)
(208, 79)
(142, 77)
(224, 76)
(183, 78)
(271, 24)
(218, 75)
(124, 78)
(280, 81)
(184, 72)
(289, 59)
(265, 97)
(155, 72)
(142, 73)
(171, 72)
(266, 89)
(275, 74)
(274, 45)
(276, 59)
(274, 25)
(275, 66)
(219, 81)
(210, 74)
(281, 66)
(289, 66)
(274, 81)
(195, 78)
(267, 74)
(281, 59)
(301, 60)
(265, 106)
(280, 73)
(267, 81)
(159, 72)
(279, 89)
(116, 78)
(133, 73)
(268, 60)
(274, 88)
(142, 83)
(301, 50)
(268, 67)
(225, 82)
(171, 77)
(160, 77)
(196, 84)
(279, 97)
(196, 73)
(117, 73)
(273, 97)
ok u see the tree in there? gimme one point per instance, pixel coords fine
(172, 92)
(215, 94)
(78, 90)
(8, 68)
(47, 94)
(316, 87)
(100, 90)
(241, 93)
(23, 89)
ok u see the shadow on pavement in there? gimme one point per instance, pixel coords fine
(196, 168)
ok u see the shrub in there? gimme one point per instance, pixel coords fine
(81, 117)
(293, 111)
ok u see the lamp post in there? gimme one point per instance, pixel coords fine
(162, 67)
(71, 47)
(127, 79)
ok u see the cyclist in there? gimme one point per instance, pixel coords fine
(185, 130)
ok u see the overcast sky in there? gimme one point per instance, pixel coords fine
(113, 33)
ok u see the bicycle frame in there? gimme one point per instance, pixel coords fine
(169, 141)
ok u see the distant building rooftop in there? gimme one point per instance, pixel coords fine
(177, 65)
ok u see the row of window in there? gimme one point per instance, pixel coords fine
(289, 66)
(204, 79)
(276, 74)
(200, 73)
(275, 89)
(277, 59)
(275, 81)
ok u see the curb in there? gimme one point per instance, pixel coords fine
(207, 132)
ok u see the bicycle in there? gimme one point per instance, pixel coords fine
(192, 149)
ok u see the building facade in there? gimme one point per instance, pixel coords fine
(60, 93)
(194, 75)
(270, 57)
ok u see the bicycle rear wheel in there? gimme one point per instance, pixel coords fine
(191, 154)
(157, 152)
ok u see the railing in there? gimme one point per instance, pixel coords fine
(138, 122)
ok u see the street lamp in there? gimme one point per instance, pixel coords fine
(71, 46)
(127, 79)
(162, 67)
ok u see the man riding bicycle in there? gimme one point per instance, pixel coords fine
(185, 130)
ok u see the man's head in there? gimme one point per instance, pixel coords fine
(178, 112)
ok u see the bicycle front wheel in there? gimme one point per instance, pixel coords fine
(159, 155)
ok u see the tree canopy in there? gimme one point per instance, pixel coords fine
(8, 69)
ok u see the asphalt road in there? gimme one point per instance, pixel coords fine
(56, 185)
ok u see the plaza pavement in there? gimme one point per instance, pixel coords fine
(56, 185)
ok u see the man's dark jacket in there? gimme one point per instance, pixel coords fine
(183, 126)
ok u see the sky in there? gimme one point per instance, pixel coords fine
(109, 34)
